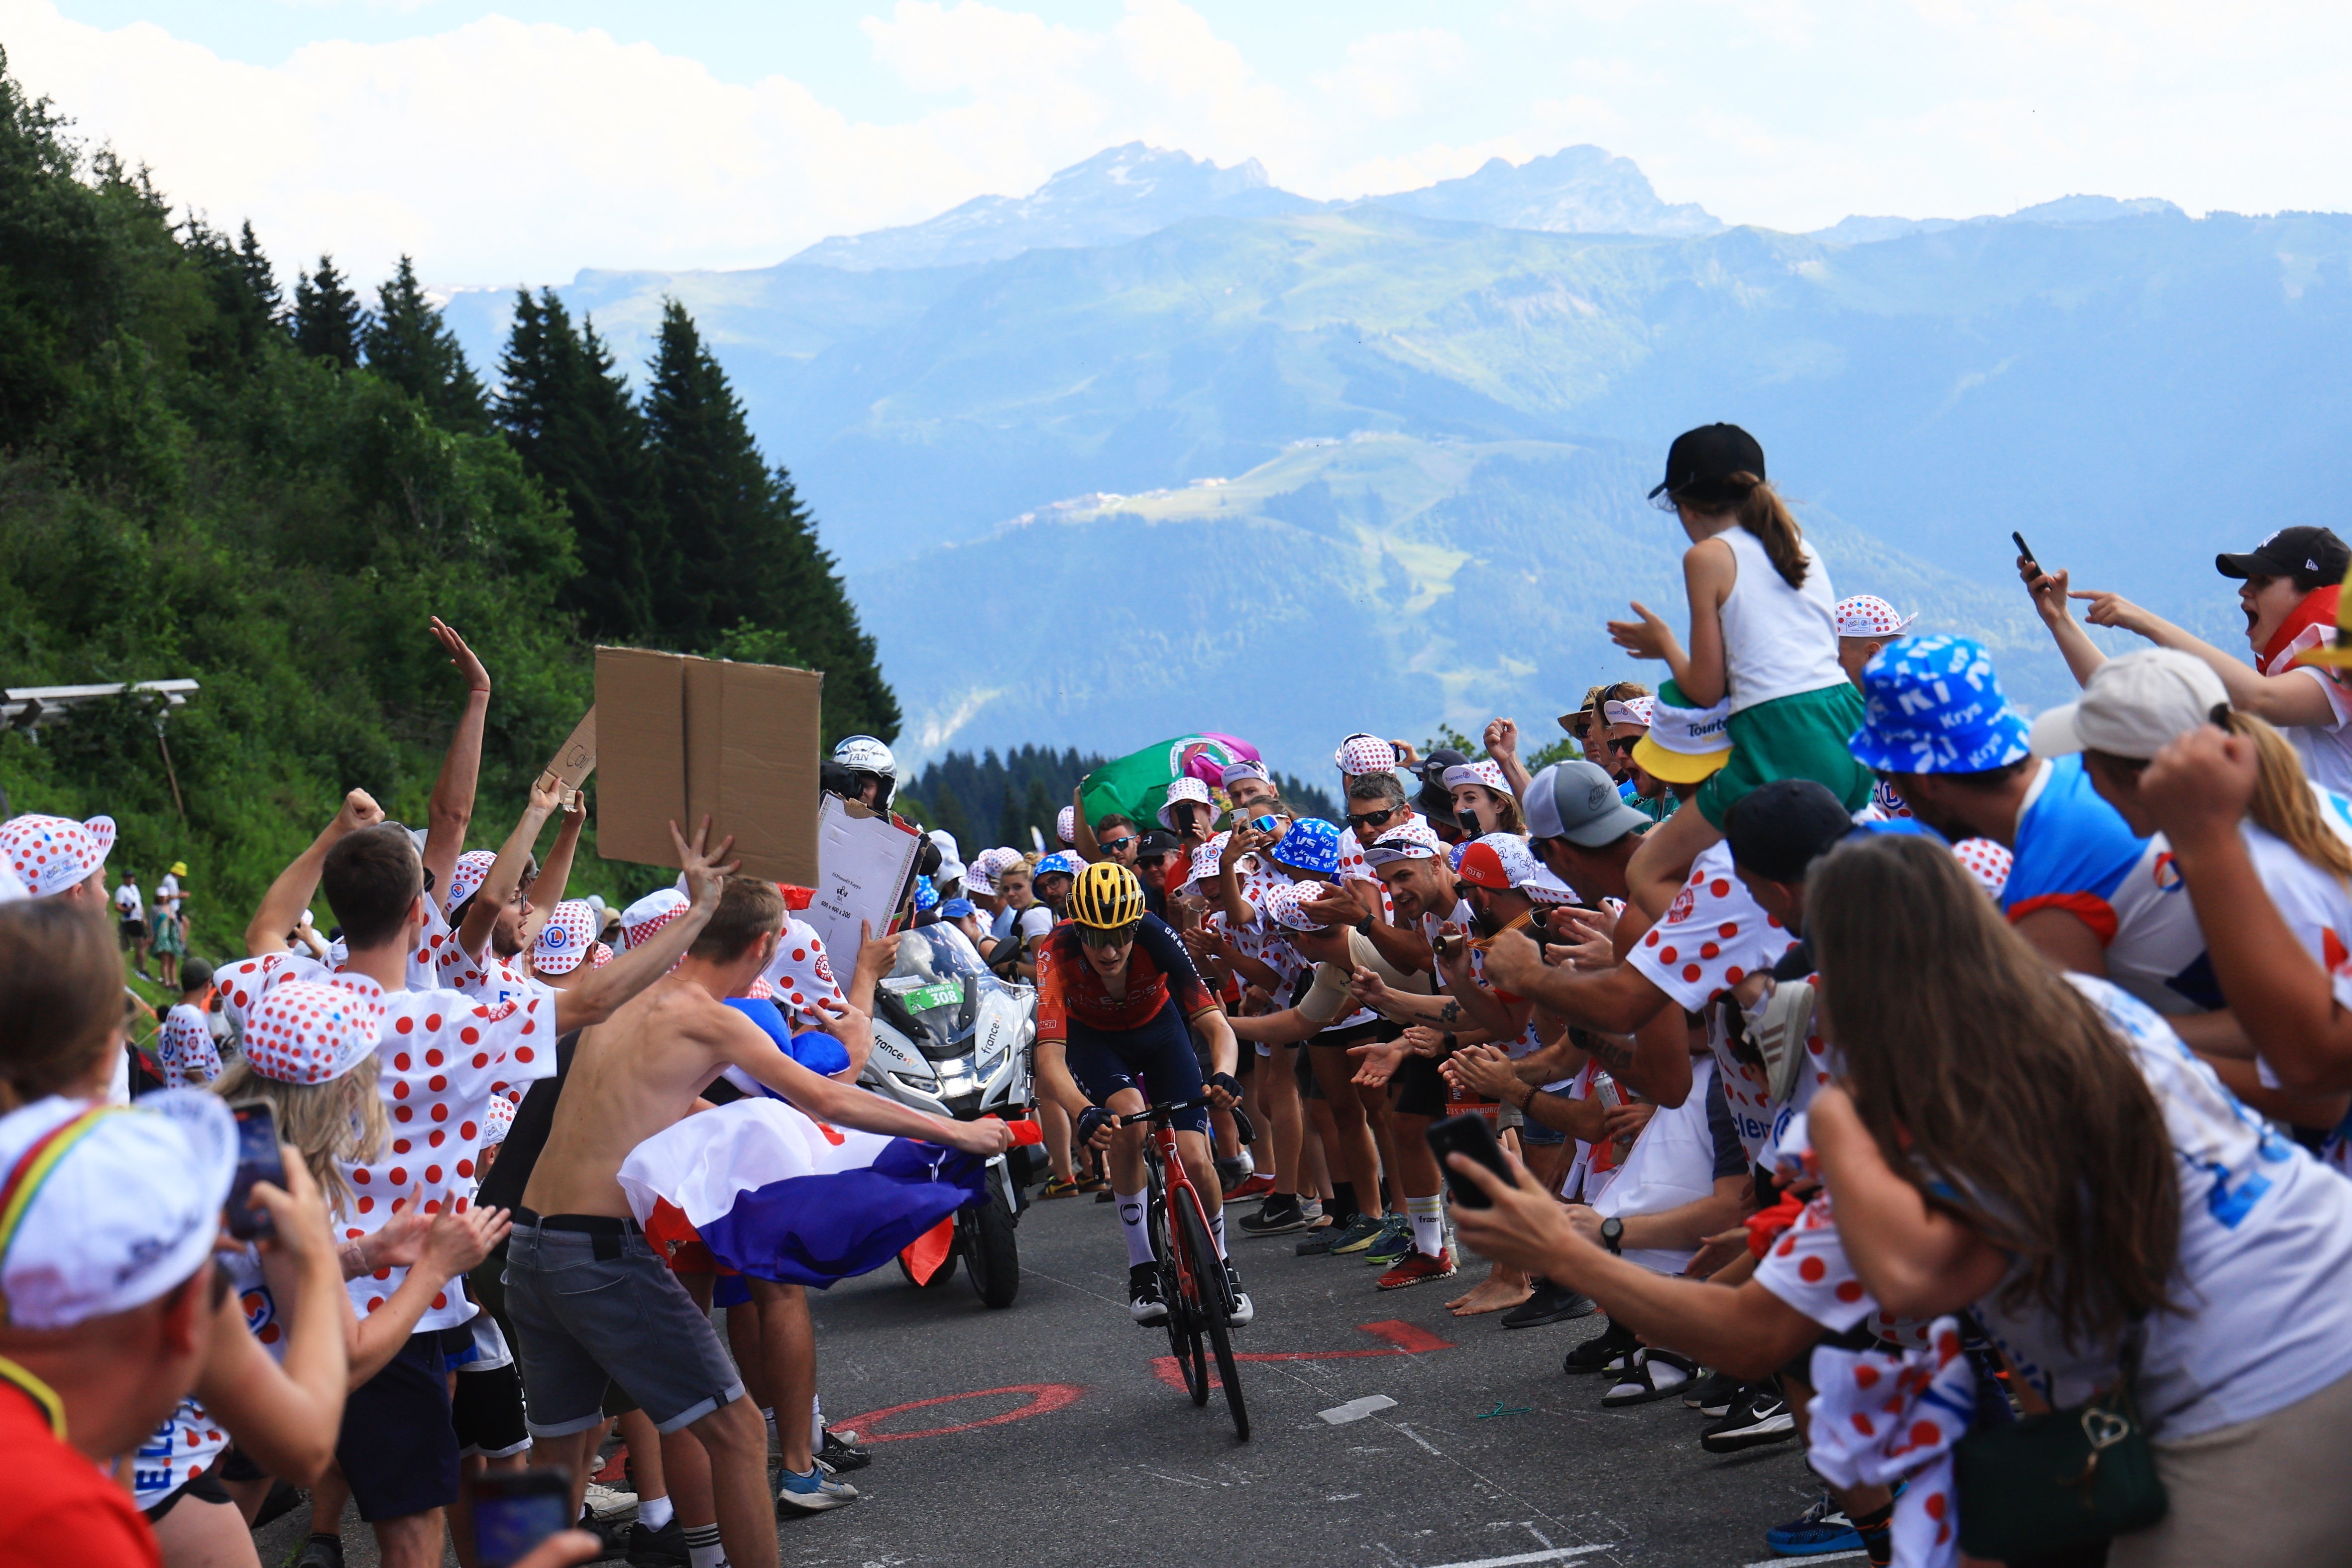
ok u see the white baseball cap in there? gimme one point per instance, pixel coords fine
(2133, 705)
(107, 1207)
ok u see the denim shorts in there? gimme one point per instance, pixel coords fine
(588, 1307)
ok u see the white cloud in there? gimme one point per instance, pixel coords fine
(499, 151)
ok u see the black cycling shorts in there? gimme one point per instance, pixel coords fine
(1158, 1052)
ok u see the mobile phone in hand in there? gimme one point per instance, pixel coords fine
(258, 1158)
(2023, 548)
(514, 1511)
(1468, 822)
(1468, 1134)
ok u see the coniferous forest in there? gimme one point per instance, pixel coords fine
(205, 475)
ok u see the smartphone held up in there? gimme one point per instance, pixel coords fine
(1468, 1134)
(258, 1158)
(514, 1511)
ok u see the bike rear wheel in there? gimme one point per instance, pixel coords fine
(1209, 1310)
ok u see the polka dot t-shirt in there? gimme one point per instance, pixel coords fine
(1713, 936)
(441, 1054)
(186, 1052)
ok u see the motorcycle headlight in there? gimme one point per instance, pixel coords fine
(919, 1083)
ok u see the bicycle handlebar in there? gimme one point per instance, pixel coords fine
(1169, 1110)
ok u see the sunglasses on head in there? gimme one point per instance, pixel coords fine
(1371, 819)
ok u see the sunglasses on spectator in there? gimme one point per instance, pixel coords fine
(1371, 819)
(1623, 745)
(1113, 846)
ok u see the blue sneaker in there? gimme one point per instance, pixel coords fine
(1821, 1528)
(814, 1492)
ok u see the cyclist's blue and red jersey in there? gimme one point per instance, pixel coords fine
(1157, 967)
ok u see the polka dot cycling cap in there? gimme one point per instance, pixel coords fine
(1286, 903)
(313, 1031)
(1934, 705)
(1868, 615)
(1490, 774)
(497, 1120)
(1065, 825)
(1637, 712)
(564, 940)
(1206, 858)
(1361, 753)
(472, 871)
(1985, 860)
(649, 914)
(52, 853)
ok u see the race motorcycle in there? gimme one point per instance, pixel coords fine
(952, 1039)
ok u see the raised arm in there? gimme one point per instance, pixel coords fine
(451, 808)
(555, 872)
(600, 994)
(2291, 697)
(1081, 830)
(1502, 747)
(2048, 591)
(498, 889)
(281, 907)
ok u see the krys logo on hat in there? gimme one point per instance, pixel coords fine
(1934, 705)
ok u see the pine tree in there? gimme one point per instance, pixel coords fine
(568, 412)
(745, 547)
(328, 320)
(409, 345)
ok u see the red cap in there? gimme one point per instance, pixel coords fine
(1481, 866)
(795, 895)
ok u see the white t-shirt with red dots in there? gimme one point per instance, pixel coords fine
(440, 1055)
(190, 1441)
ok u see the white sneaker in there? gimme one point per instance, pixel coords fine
(814, 1492)
(1243, 1309)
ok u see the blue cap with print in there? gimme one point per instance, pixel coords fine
(926, 896)
(1312, 845)
(1933, 705)
(1063, 860)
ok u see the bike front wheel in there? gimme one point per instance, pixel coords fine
(1208, 1306)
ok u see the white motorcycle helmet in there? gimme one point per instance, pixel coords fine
(864, 754)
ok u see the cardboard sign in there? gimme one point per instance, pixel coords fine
(865, 861)
(576, 758)
(678, 737)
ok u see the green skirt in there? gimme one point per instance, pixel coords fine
(1802, 736)
(167, 935)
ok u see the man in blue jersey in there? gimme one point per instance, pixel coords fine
(2087, 891)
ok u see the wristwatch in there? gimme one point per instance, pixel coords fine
(1364, 926)
(1612, 1236)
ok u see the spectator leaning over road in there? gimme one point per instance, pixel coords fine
(2290, 590)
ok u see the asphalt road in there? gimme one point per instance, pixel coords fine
(1042, 1433)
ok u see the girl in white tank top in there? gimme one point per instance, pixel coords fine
(1763, 642)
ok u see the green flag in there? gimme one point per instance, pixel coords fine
(1136, 785)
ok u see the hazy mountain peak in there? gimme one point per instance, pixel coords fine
(1120, 193)
(1576, 190)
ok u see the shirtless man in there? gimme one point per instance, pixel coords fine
(588, 1295)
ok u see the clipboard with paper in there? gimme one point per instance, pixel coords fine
(864, 862)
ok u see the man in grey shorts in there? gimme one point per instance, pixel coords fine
(587, 1294)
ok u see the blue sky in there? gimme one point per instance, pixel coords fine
(522, 142)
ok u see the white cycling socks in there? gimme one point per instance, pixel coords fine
(1130, 1220)
(1217, 1232)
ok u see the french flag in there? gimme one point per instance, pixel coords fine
(774, 1193)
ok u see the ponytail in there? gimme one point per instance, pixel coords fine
(1764, 514)
(2284, 804)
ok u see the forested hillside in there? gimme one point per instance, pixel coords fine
(202, 478)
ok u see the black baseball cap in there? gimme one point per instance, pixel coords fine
(1158, 841)
(2314, 557)
(1701, 462)
(1435, 799)
(1777, 829)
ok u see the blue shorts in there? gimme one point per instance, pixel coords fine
(1158, 1051)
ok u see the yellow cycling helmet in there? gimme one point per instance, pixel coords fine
(1105, 897)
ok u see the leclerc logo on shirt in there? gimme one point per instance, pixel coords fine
(2167, 874)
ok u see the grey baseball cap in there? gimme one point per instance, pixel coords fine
(1578, 802)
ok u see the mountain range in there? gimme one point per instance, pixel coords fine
(1432, 417)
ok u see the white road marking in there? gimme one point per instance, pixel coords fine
(1825, 1557)
(1557, 1554)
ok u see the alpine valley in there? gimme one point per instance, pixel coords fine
(1159, 432)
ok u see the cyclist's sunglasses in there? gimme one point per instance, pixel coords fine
(1117, 936)
(1372, 820)
(1113, 846)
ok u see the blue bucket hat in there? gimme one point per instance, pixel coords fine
(1063, 860)
(1933, 705)
(1312, 845)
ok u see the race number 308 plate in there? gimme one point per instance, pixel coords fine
(941, 994)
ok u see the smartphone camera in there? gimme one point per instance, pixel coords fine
(1468, 1134)
(258, 1158)
(514, 1511)
(1468, 822)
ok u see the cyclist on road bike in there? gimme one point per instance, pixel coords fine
(1115, 993)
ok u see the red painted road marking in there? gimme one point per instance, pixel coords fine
(1044, 1397)
(1404, 1339)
